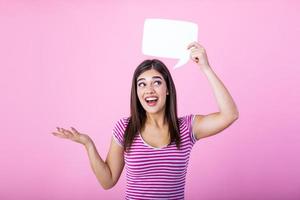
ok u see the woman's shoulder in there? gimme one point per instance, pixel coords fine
(123, 121)
(186, 119)
(185, 126)
(120, 127)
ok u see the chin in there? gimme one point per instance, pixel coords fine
(154, 111)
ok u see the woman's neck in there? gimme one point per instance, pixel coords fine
(156, 120)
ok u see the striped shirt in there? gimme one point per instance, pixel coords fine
(156, 173)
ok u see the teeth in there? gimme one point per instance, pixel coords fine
(151, 98)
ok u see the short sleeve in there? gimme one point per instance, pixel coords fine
(119, 131)
(189, 119)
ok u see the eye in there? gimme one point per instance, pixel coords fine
(141, 84)
(157, 82)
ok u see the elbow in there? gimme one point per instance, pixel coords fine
(107, 187)
(232, 116)
(236, 116)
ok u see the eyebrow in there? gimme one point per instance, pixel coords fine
(153, 77)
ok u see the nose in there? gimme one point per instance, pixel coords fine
(150, 89)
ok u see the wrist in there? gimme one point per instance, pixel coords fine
(205, 67)
(89, 144)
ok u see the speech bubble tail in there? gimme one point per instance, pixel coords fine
(181, 62)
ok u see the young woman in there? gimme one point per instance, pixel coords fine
(153, 142)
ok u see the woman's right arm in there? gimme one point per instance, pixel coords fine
(108, 172)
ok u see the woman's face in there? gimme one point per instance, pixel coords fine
(152, 91)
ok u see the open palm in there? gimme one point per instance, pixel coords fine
(72, 135)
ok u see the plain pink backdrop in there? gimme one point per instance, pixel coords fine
(70, 63)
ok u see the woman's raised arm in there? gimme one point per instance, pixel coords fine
(211, 124)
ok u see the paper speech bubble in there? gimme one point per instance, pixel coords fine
(169, 38)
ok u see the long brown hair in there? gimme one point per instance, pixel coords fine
(138, 114)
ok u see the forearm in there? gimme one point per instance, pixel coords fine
(224, 100)
(99, 167)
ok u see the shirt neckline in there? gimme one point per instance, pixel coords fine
(150, 146)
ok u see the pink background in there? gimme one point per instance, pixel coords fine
(70, 63)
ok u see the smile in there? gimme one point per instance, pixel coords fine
(151, 101)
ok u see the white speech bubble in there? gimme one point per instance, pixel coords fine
(169, 38)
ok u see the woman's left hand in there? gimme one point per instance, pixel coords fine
(198, 55)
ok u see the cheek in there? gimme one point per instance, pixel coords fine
(163, 91)
(139, 94)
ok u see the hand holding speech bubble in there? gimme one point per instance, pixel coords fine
(169, 38)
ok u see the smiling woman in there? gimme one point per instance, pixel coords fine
(153, 101)
(153, 142)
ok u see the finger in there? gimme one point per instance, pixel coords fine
(193, 44)
(73, 129)
(54, 133)
(194, 54)
(61, 130)
(195, 58)
(198, 50)
(194, 50)
(68, 133)
(58, 135)
(197, 47)
(66, 130)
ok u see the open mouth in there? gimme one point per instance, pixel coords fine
(151, 101)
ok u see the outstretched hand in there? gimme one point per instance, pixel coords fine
(73, 135)
(198, 54)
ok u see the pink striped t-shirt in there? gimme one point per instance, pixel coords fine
(156, 173)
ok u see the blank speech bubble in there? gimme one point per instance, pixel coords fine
(169, 39)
